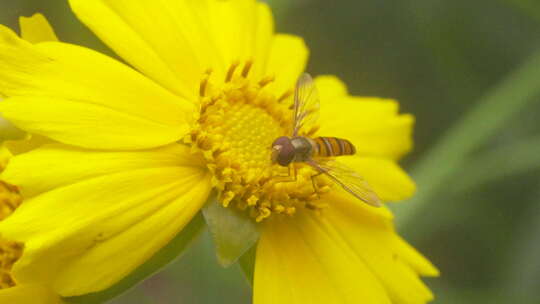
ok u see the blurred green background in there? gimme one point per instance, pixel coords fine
(470, 73)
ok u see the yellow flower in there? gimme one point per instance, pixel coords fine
(138, 150)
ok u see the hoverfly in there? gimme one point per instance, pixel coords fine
(319, 152)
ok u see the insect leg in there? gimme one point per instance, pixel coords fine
(315, 187)
(291, 175)
(320, 171)
(293, 167)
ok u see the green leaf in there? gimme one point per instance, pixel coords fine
(173, 250)
(233, 231)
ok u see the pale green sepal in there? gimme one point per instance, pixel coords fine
(233, 231)
(173, 250)
(247, 264)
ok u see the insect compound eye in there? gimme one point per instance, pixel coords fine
(283, 151)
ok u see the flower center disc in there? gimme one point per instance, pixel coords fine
(239, 120)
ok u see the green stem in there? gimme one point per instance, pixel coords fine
(501, 163)
(481, 123)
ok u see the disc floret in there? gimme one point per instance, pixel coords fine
(239, 119)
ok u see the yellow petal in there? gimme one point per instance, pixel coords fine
(28, 143)
(414, 259)
(372, 124)
(80, 97)
(29, 294)
(378, 246)
(387, 179)
(234, 27)
(174, 42)
(263, 39)
(297, 262)
(288, 59)
(36, 29)
(346, 254)
(53, 166)
(87, 125)
(86, 236)
(330, 88)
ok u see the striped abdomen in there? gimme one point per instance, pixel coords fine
(332, 146)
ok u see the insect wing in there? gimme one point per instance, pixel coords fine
(306, 104)
(348, 179)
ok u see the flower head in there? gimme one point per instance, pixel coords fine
(239, 119)
(135, 152)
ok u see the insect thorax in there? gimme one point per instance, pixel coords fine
(303, 148)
